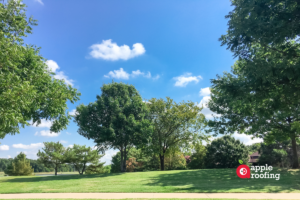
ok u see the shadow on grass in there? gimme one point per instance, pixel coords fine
(54, 178)
(226, 180)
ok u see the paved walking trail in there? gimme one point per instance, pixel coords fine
(151, 195)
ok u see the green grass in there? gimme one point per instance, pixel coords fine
(205, 180)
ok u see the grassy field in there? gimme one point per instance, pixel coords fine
(206, 180)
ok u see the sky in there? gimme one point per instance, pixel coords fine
(164, 48)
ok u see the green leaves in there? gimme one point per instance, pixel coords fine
(28, 90)
(241, 162)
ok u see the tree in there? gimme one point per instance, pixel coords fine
(265, 37)
(52, 154)
(254, 148)
(272, 24)
(19, 167)
(173, 124)
(80, 156)
(197, 159)
(116, 120)
(225, 152)
(28, 90)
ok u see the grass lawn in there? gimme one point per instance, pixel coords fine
(204, 180)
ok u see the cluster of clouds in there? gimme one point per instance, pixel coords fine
(185, 79)
(107, 50)
(121, 74)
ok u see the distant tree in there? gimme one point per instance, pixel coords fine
(20, 166)
(52, 154)
(115, 163)
(254, 148)
(28, 90)
(225, 152)
(80, 156)
(116, 120)
(97, 167)
(174, 159)
(197, 159)
(174, 123)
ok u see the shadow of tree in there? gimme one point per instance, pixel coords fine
(53, 178)
(226, 180)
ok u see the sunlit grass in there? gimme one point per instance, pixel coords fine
(182, 181)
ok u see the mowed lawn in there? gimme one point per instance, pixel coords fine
(204, 180)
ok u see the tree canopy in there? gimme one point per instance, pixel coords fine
(174, 123)
(52, 154)
(28, 90)
(20, 166)
(225, 152)
(116, 120)
(80, 156)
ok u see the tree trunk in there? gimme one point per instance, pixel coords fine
(162, 162)
(295, 155)
(121, 163)
(55, 171)
(124, 160)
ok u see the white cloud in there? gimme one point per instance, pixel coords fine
(204, 91)
(30, 146)
(206, 111)
(121, 74)
(46, 133)
(8, 156)
(63, 141)
(247, 139)
(68, 133)
(44, 124)
(73, 112)
(39, 1)
(183, 80)
(108, 156)
(71, 145)
(53, 66)
(4, 147)
(118, 74)
(111, 51)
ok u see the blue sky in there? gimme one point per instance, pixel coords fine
(164, 48)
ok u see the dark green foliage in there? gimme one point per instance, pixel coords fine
(97, 168)
(254, 148)
(116, 120)
(28, 90)
(80, 156)
(53, 154)
(261, 96)
(225, 152)
(273, 24)
(278, 154)
(198, 157)
(115, 163)
(20, 166)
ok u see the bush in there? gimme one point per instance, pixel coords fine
(225, 152)
(19, 167)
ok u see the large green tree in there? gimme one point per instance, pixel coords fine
(261, 95)
(52, 155)
(116, 120)
(225, 152)
(28, 90)
(81, 156)
(174, 124)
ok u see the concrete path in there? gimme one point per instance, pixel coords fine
(151, 195)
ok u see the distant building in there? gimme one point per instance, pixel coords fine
(254, 157)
